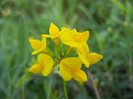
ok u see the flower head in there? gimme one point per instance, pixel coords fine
(86, 57)
(38, 46)
(68, 67)
(71, 68)
(44, 65)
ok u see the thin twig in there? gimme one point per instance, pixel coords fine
(35, 77)
(94, 86)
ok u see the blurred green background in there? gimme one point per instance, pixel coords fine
(110, 23)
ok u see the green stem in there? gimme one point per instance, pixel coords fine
(69, 51)
(50, 86)
(65, 90)
(23, 93)
(58, 48)
(65, 49)
(51, 53)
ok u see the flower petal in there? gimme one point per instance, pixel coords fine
(48, 68)
(43, 43)
(44, 59)
(71, 43)
(68, 30)
(53, 30)
(73, 38)
(74, 30)
(67, 38)
(36, 44)
(72, 62)
(47, 36)
(93, 58)
(35, 52)
(84, 59)
(84, 36)
(80, 76)
(65, 29)
(83, 48)
(36, 68)
(65, 72)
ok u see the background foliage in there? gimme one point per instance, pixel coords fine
(110, 23)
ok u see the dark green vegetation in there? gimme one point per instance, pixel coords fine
(110, 23)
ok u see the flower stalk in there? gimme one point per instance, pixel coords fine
(50, 87)
(65, 90)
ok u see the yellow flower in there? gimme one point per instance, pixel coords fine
(87, 59)
(38, 46)
(45, 64)
(73, 38)
(71, 68)
(54, 33)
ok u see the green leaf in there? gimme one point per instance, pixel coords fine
(118, 4)
(129, 10)
(72, 6)
(22, 51)
(24, 77)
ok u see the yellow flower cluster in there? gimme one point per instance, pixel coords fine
(69, 67)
